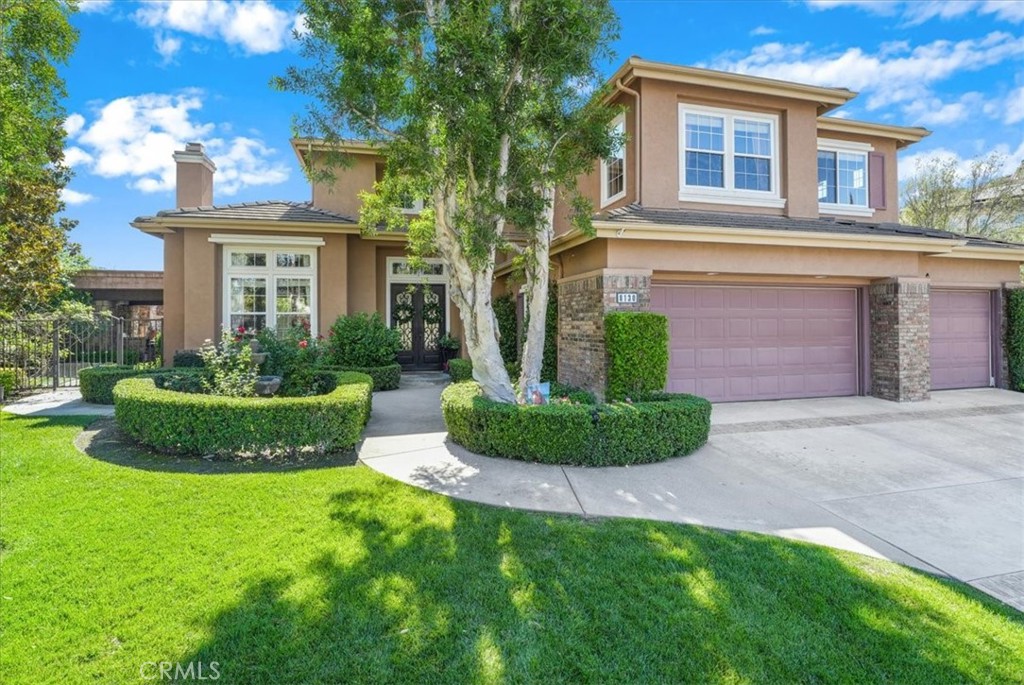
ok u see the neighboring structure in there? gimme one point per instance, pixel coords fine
(763, 229)
(128, 294)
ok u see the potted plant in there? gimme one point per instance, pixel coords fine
(449, 346)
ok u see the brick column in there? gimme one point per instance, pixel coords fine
(900, 339)
(583, 301)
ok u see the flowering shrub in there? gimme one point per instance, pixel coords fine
(230, 366)
(294, 355)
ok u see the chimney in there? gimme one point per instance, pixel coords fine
(195, 176)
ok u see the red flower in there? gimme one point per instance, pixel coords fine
(303, 344)
(241, 330)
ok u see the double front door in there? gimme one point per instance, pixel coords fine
(418, 314)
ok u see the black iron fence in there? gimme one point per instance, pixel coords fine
(48, 353)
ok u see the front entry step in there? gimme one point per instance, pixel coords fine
(421, 378)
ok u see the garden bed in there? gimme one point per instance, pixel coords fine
(199, 424)
(577, 433)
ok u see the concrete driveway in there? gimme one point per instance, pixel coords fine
(938, 485)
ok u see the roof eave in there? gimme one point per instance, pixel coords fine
(903, 135)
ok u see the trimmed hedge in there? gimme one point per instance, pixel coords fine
(188, 359)
(184, 423)
(384, 377)
(578, 434)
(637, 347)
(97, 382)
(9, 380)
(1015, 337)
(460, 370)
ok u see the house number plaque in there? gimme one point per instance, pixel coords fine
(626, 298)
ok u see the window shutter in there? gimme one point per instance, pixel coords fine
(876, 178)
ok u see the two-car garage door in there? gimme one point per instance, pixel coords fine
(756, 343)
(733, 343)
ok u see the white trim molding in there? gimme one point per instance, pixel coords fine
(269, 272)
(617, 123)
(236, 240)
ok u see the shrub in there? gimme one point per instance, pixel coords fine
(211, 424)
(384, 377)
(460, 370)
(97, 382)
(10, 380)
(362, 341)
(505, 315)
(578, 434)
(1015, 338)
(637, 347)
(231, 369)
(187, 359)
(549, 367)
(181, 380)
(293, 355)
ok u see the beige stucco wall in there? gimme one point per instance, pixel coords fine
(174, 295)
(342, 196)
(968, 272)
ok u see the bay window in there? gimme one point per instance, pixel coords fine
(728, 156)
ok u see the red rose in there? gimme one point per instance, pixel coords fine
(241, 330)
(303, 344)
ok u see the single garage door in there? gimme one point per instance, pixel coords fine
(760, 343)
(961, 343)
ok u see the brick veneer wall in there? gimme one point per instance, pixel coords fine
(583, 301)
(900, 339)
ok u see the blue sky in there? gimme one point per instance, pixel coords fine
(147, 77)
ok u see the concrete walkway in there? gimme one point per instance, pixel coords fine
(63, 402)
(937, 485)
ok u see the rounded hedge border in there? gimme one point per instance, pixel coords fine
(195, 424)
(616, 434)
(97, 382)
(384, 377)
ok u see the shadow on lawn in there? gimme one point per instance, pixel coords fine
(104, 441)
(411, 590)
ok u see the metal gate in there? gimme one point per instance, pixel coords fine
(48, 353)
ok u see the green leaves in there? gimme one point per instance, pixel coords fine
(1015, 337)
(637, 348)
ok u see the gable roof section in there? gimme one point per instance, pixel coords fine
(827, 99)
(651, 223)
(272, 213)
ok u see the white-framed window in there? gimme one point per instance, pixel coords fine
(613, 168)
(728, 156)
(269, 286)
(843, 186)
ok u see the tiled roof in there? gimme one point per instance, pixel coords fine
(269, 210)
(637, 214)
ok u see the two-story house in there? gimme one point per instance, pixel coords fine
(764, 229)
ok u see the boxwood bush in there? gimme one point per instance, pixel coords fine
(361, 341)
(384, 377)
(637, 347)
(460, 370)
(193, 424)
(1015, 338)
(188, 359)
(9, 380)
(579, 434)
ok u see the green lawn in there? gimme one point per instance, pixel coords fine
(340, 575)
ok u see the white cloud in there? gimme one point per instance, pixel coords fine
(931, 111)
(73, 197)
(910, 163)
(762, 31)
(254, 25)
(299, 26)
(167, 46)
(895, 74)
(915, 12)
(88, 6)
(135, 137)
(1014, 107)
(73, 124)
(74, 156)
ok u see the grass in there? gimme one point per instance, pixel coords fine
(340, 575)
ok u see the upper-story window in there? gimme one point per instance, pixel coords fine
(729, 157)
(843, 177)
(613, 169)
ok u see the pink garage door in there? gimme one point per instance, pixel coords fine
(961, 343)
(760, 343)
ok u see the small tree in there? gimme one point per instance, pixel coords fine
(476, 106)
(35, 36)
(980, 200)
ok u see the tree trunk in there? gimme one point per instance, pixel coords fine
(536, 304)
(470, 290)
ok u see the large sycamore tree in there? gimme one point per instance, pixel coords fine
(486, 109)
(978, 198)
(35, 37)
